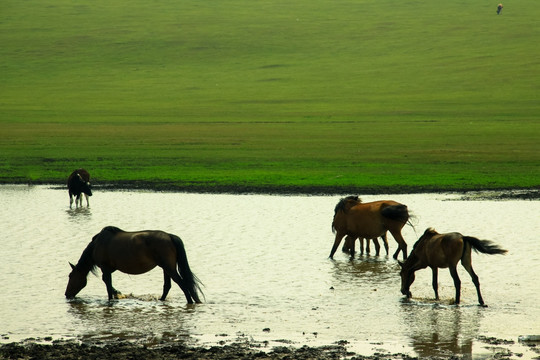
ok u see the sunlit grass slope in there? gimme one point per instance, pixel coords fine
(365, 93)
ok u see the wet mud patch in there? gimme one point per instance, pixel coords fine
(71, 350)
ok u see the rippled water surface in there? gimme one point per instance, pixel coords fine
(264, 262)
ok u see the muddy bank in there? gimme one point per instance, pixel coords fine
(467, 194)
(206, 188)
(59, 350)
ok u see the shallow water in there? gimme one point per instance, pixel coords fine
(264, 262)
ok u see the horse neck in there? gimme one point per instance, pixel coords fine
(412, 263)
(86, 262)
(346, 203)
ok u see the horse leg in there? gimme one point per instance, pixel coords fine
(87, 201)
(346, 248)
(107, 279)
(402, 245)
(377, 246)
(166, 285)
(171, 273)
(336, 244)
(368, 250)
(435, 281)
(177, 279)
(349, 245)
(476, 282)
(466, 262)
(352, 245)
(385, 242)
(457, 282)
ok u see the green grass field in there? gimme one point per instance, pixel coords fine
(310, 93)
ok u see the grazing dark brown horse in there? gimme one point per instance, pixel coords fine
(134, 253)
(444, 251)
(370, 220)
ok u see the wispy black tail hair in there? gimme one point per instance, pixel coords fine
(484, 246)
(189, 278)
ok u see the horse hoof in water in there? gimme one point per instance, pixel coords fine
(119, 296)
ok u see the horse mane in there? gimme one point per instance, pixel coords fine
(343, 201)
(86, 262)
(412, 260)
(423, 238)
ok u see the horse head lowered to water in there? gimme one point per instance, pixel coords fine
(369, 220)
(444, 251)
(134, 253)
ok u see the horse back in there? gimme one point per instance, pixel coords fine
(134, 252)
(442, 250)
(365, 220)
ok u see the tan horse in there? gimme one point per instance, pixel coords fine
(369, 220)
(134, 253)
(444, 251)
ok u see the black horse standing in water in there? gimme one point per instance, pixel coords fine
(134, 253)
(78, 184)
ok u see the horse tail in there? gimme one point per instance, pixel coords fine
(397, 212)
(484, 246)
(190, 280)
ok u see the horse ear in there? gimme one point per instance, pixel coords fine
(72, 266)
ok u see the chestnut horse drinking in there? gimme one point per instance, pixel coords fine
(134, 253)
(370, 220)
(444, 251)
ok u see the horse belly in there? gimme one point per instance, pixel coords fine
(368, 227)
(443, 253)
(134, 262)
(136, 267)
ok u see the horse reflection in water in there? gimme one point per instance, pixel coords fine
(370, 220)
(134, 253)
(444, 251)
(436, 331)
